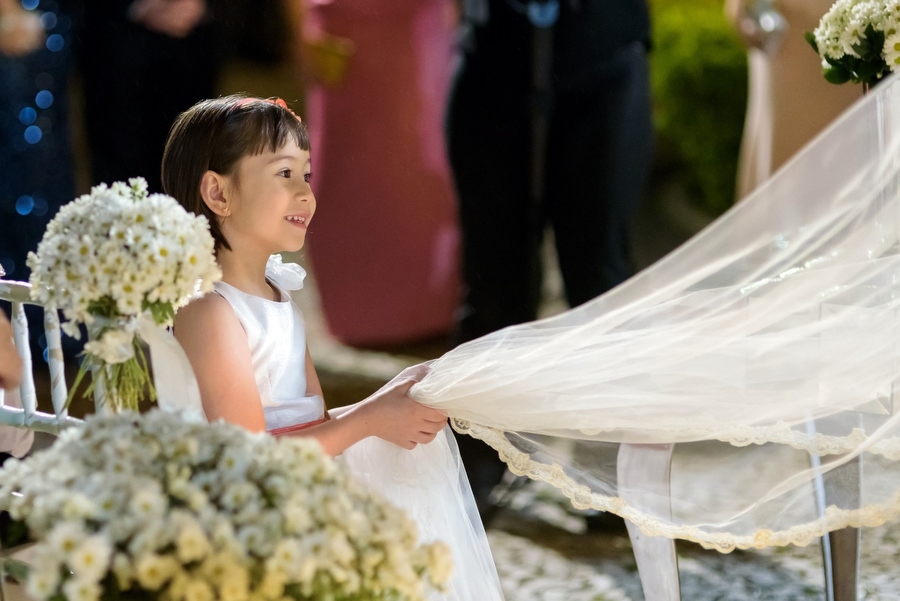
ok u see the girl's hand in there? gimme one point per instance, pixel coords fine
(393, 416)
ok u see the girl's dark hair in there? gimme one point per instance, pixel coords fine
(213, 135)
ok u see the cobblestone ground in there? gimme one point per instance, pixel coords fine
(544, 553)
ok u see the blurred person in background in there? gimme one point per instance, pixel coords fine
(36, 177)
(36, 173)
(549, 122)
(10, 363)
(377, 75)
(789, 101)
(143, 63)
(14, 442)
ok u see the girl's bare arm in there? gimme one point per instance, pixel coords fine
(216, 345)
(217, 348)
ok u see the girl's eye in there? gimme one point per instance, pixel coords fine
(307, 177)
(285, 173)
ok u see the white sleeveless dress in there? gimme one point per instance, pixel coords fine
(276, 334)
(429, 482)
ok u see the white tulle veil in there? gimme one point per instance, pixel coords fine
(769, 345)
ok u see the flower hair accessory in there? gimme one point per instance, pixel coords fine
(276, 101)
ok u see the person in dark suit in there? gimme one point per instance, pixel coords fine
(549, 122)
(144, 62)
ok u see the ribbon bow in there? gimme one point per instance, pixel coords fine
(288, 276)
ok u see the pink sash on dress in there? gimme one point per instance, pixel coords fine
(298, 427)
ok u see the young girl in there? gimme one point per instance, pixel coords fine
(244, 164)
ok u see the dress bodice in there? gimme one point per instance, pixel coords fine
(276, 334)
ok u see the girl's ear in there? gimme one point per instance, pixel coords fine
(213, 189)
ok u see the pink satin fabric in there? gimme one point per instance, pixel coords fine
(384, 242)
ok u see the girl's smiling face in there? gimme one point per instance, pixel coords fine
(270, 202)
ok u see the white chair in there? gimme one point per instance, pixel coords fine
(647, 468)
(27, 416)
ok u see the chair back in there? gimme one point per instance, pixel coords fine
(27, 416)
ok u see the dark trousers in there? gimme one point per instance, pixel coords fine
(597, 159)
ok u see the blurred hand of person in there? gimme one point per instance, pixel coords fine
(757, 22)
(738, 14)
(10, 363)
(174, 18)
(21, 31)
(318, 57)
(325, 58)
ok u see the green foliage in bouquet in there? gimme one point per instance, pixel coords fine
(858, 41)
(867, 68)
(699, 77)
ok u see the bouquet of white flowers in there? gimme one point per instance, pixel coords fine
(111, 257)
(153, 507)
(859, 41)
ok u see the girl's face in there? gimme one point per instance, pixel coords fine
(270, 200)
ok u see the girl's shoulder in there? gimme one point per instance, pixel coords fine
(210, 311)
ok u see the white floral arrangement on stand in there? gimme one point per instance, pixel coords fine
(153, 507)
(859, 41)
(112, 258)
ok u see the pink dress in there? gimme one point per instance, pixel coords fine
(384, 241)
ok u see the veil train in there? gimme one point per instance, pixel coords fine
(769, 343)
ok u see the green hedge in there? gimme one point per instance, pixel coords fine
(699, 78)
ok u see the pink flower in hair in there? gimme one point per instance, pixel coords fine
(275, 101)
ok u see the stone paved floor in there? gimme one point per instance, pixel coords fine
(543, 553)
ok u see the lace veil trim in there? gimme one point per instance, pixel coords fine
(582, 497)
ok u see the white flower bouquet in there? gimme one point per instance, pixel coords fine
(153, 507)
(859, 41)
(112, 257)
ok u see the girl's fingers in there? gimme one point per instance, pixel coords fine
(424, 437)
(404, 387)
(431, 414)
(415, 373)
(430, 426)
